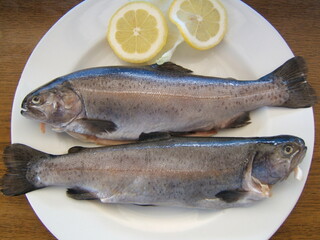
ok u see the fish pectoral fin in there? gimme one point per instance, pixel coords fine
(230, 196)
(154, 136)
(97, 126)
(254, 192)
(239, 121)
(170, 67)
(81, 194)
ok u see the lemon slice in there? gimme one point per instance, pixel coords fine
(202, 23)
(137, 32)
(174, 38)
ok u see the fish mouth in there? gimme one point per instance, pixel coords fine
(23, 112)
(32, 113)
(24, 108)
(297, 159)
(298, 174)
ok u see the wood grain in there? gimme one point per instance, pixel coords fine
(23, 23)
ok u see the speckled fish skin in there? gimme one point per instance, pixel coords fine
(120, 103)
(187, 172)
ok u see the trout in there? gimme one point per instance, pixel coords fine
(120, 103)
(211, 173)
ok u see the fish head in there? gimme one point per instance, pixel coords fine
(56, 106)
(275, 161)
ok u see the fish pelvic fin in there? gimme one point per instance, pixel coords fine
(241, 120)
(293, 74)
(81, 194)
(17, 158)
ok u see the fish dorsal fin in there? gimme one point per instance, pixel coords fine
(154, 136)
(170, 67)
(75, 149)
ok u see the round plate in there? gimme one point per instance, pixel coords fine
(251, 49)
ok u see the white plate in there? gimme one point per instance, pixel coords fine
(251, 49)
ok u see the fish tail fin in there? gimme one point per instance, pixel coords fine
(17, 157)
(293, 74)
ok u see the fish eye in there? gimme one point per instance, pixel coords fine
(288, 149)
(36, 100)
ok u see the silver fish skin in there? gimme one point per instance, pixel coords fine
(120, 103)
(212, 173)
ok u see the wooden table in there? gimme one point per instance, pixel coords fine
(23, 23)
